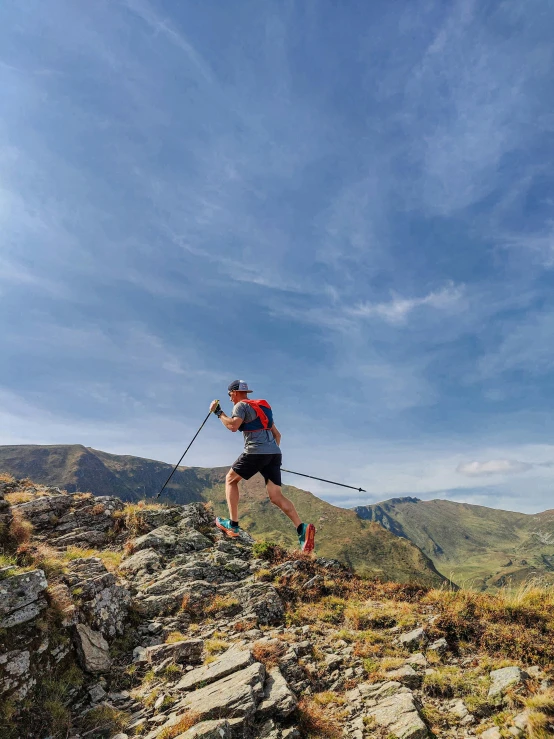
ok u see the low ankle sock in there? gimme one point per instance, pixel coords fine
(299, 528)
(235, 524)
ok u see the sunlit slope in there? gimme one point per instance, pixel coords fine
(474, 544)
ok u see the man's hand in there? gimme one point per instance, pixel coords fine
(214, 406)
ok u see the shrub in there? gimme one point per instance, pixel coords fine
(265, 550)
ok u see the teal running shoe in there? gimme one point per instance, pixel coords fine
(225, 525)
(307, 538)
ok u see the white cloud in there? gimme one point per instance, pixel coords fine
(397, 310)
(493, 467)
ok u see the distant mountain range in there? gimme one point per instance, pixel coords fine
(366, 546)
(471, 544)
(399, 539)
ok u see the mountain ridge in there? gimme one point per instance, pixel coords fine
(367, 547)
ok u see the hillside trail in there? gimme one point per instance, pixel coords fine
(142, 620)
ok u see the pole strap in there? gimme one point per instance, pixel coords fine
(321, 479)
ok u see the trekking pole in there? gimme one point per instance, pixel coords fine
(186, 450)
(342, 485)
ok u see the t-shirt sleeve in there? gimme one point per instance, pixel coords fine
(239, 411)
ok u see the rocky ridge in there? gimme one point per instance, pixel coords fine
(120, 621)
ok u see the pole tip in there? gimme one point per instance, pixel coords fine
(361, 490)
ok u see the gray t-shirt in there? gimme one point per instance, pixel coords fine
(255, 442)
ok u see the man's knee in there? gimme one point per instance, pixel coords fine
(274, 492)
(233, 477)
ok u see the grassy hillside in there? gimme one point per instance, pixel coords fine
(484, 546)
(366, 546)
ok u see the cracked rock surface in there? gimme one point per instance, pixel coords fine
(147, 622)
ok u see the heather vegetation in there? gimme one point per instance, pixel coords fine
(140, 619)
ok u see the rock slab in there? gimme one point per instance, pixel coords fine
(92, 649)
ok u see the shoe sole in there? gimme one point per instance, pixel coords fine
(309, 544)
(230, 534)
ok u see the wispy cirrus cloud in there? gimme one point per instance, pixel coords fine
(398, 309)
(493, 467)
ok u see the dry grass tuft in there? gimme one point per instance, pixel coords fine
(516, 623)
(269, 653)
(20, 529)
(316, 721)
(220, 604)
(174, 637)
(186, 722)
(104, 719)
(216, 646)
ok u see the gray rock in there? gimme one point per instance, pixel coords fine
(492, 733)
(378, 691)
(521, 720)
(405, 675)
(503, 679)
(20, 597)
(188, 651)
(261, 601)
(146, 559)
(236, 695)
(164, 538)
(103, 600)
(279, 700)
(14, 669)
(440, 646)
(191, 540)
(413, 639)
(233, 660)
(92, 649)
(398, 714)
(417, 660)
(219, 729)
(458, 708)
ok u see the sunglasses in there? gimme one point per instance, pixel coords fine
(231, 392)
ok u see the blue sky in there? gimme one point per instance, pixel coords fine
(351, 206)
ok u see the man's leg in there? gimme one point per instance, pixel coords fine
(278, 499)
(232, 494)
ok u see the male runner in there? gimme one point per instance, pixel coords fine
(261, 454)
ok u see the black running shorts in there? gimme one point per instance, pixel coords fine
(268, 465)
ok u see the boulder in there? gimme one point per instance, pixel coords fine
(279, 700)
(492, 733)
(14, 668)
(503, 679)
(398, 714)
(103, 601)
(92, 649)
(413, 639)
(261, 601)
(146, 560)
(405, 675)
(233, 660)
(440, 646)
(163, 538)
(21, 597)
(236, 695)
(188, 651)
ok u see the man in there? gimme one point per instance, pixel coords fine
(261, 454)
